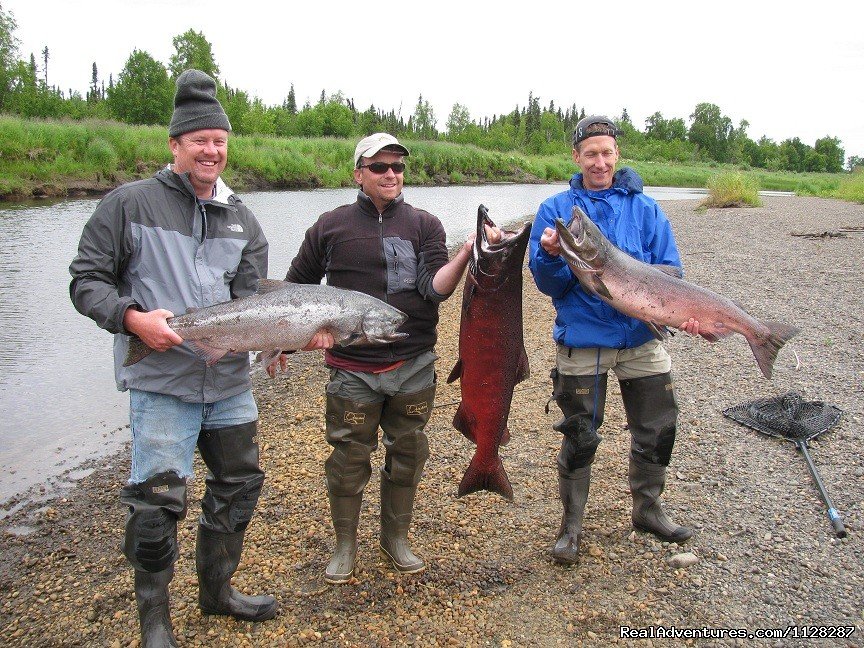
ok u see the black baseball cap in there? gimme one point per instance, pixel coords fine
(594, 125)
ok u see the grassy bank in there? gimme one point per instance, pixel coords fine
(57, 158)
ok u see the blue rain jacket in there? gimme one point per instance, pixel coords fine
(634, 223)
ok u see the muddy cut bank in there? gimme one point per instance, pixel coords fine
(765, 555)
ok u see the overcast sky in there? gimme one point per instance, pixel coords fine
(789, 70)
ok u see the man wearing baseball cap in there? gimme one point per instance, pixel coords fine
(592, 338)
(382, 246)
(152, 248)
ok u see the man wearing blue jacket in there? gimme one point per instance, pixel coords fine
(593, 338)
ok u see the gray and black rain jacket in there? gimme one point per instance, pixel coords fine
(152, 244)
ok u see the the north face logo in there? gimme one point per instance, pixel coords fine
(417, 408)
(235, 227)
(355, 418)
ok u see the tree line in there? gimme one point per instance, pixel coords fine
(143, 93)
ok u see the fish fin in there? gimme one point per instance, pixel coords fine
(672, 271)
(461, 423)
(267, 358)
(211, 354)
(523, 370)
(137, 351)
(505, 437)
(659, 331)
(456, 372)
(269, 285)
(480, 477)
(599, 288)
(766, 353)
(712, 337)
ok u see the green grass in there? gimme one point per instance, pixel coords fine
(733, 189)
(51, 157)
(851, 187)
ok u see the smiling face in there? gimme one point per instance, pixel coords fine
(203, 155)
(382, 188)
(597, 157)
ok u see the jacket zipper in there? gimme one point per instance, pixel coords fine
(384, 256)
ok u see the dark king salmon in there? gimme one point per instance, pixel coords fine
(492, 355)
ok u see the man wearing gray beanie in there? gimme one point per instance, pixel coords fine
(181, 239)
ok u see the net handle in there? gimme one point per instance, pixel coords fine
(833, 513)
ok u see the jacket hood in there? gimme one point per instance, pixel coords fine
(625, 179)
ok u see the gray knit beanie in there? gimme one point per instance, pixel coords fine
(195, 105)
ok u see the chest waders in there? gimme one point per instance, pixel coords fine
(352, 431)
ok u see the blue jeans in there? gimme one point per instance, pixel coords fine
(165, 429)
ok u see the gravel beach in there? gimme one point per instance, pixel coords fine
(764, 556)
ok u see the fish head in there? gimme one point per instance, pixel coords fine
(378, 326)
(491, 258)
(581, 241)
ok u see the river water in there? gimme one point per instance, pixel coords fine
(59, 406)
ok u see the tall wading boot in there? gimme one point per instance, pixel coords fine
(233, 486)
(406, 451)
(652, 415)
(151, 597)
(582, 400)
(150, 544)
(217, 556)
(397, 505)
(646, 484)
(346, 516)
(352, 430)
(574, 494)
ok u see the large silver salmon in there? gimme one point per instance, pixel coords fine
(492, 356)
(282, 316)
(658, 296)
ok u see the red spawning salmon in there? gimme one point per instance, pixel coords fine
(492, 358)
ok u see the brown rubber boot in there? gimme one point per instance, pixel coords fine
(346, 515)
(397, 504)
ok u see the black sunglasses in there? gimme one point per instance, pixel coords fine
(380, 168)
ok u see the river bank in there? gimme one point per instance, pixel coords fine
(765, 554)
(42, 159)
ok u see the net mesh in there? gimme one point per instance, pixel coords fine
(787, 416)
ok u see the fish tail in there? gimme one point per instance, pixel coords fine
(136, 352)
(766, 351)
(484, 477)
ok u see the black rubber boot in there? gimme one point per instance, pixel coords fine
(574, 494)
(154, 507)
(652, 416)
(151, 597)
(346, 516)
(216, 558)
(397, 505)
(646, 485)
(582, 400)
